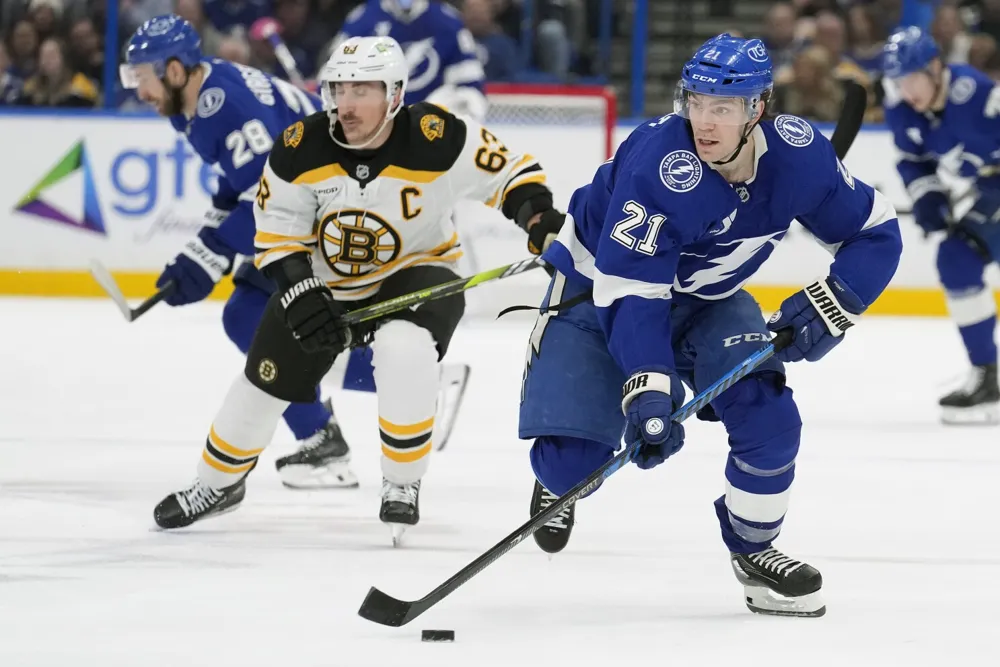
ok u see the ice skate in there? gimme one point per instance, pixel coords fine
(197, 502)
(454, 378)
(778, 585)
(977, 401)
(400, 508)
(554, 535)
(321, 462)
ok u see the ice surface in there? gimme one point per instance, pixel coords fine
(100, 419)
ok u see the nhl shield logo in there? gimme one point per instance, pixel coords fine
(362, 172)
(680, 171)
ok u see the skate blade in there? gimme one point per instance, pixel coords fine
(761, 600)
(308, 478)
(397, 530)
(982, 415)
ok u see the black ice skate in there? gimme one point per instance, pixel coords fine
(778, 585)
(977, 401)
(197, 502)
(400, 508)
(320, 462)
(554, 535)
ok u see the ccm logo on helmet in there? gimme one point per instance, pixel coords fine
(702, 77)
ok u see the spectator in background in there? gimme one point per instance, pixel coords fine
(831, 34)
(812, 91)
(497, 52)
(23, 49)
(10, 85)
(779, 37)
(989, 18)
(982, 50)
(85, 49)
(228, 14)
(56, 84)
(46, 15)
(193, 12)
(867, 39)
(234, 48)
(305, 39)
(949, 32)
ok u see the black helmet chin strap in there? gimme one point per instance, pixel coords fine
(747, 129)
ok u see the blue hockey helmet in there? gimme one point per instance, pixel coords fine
(908, 50)
(158, 41)
(727, 66)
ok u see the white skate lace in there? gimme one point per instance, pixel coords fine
(775, 561)
(400, 493)
(314, 440)
(559, 520)
(197, 498)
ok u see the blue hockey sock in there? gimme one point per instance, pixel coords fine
(360, 374)
(980, 341)
(240, 319)
(561, 462)
(764, 428)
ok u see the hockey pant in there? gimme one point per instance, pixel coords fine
(571, 404)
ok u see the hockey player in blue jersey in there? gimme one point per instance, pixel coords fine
(932, 109)
(230, 114)
(647, 297)
(440, 51)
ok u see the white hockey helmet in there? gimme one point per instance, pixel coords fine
(360, 59)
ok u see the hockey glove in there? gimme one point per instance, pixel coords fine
(197, 269)
(819, 315)
(980, 227)
(649, 397)
(932, 212)
(314, 317)
(543, 232)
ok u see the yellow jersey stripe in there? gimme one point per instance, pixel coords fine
(394, 265)
(319, 174)
(533, 177)
(408, 456)
(405, 429)
(224, 446)
(225, 467)
(260, 238)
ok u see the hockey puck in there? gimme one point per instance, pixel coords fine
(437, 635)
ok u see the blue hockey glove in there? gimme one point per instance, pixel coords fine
(197, 269)
(980, 227)
(819, 316)
(649, 397)
(932, 212)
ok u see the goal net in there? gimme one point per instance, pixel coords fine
(570, 130)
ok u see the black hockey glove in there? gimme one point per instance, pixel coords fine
(542, 233)
(314, 317)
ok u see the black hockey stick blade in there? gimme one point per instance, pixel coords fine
(852, 114)
(110, 287)
(384, 609)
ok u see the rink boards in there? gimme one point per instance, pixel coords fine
(129, 191)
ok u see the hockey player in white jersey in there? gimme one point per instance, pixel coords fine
(354, 208)
(444, 70)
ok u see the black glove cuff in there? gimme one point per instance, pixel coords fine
(289, 270)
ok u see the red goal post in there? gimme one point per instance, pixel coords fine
(556, 105)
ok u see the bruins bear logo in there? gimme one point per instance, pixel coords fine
(432, 126)
(356, 242)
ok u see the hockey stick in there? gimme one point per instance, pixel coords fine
(110, 287)
(384, 609)
(449, 288)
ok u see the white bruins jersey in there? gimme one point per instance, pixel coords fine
(364, 215)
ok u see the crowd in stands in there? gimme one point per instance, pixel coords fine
(52, 51)
(816, 43)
